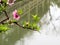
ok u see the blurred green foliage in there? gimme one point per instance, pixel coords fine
(3, 28)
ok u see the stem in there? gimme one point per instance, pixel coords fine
(24, 27)
(6, 18)
(2, 22)
(6, 14)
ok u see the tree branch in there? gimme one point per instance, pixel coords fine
(6, 18)
(24, 27)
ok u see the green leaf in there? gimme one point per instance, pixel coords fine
(38, 28)
(3, 28)
(20, 11)
(2, 7)
(5, 1)
(36, 18)
(13, 21)
(34, 25)
(24, 23)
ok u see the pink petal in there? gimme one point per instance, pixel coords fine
(15, 12)
(15, 15)
(0, 0)
(17, 18)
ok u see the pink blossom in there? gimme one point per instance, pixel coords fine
(0, 0)
(16, 15)
(10, 2)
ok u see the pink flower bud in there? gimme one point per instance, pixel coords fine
(16, 15)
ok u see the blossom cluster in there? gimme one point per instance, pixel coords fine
(16, 16)
(15, 12)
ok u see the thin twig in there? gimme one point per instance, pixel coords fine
(6, 18)
(24, 27)
(6, 14)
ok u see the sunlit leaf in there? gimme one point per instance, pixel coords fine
(38, 28)
(5, 1)
(20, 11)
(35, 18)
(13, 21)
(3, 28)
(1, 8)
(34, 25)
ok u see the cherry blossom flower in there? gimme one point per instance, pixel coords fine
(10, 2)
(16, 15)
(0, 0)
